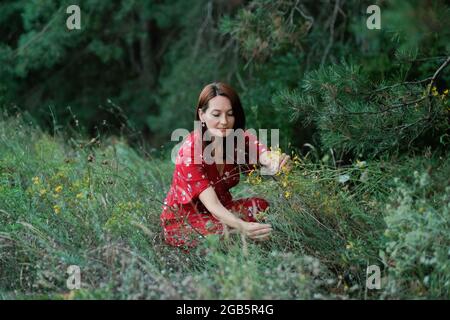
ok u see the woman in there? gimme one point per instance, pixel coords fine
(199, 202)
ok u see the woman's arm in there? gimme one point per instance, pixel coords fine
(254, 230)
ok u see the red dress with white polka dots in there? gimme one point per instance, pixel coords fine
(184, 218)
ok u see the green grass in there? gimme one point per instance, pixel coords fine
(96, 204)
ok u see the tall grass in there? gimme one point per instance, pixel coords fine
(96, 204)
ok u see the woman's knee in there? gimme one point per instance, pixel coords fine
(261, 204)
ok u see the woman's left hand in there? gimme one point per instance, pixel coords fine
(285, 163)
(276, 162)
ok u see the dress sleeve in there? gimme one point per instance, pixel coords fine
(191, 175)
(251, 141)
(253, 150)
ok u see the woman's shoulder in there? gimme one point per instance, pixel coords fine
(190, 141)
(190, 147)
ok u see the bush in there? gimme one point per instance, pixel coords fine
(417, 237)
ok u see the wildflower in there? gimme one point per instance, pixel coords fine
(445, 92)
(343, 178)
(349, 246)
(58, 189)
(42, 192)
(360, 164)
(79, 195)
(364, 176)
(35, 180)
(60, 175)
(56, 209)
(287, 194)
(434, 91)
(285, 169)
(261, 216)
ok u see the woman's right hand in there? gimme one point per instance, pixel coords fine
(253, 230)
(256, 231)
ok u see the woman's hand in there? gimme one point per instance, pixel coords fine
(285, 162)
(256, 231)
(274, 162)
(253, 230)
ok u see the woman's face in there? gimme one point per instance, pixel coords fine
(219, 116)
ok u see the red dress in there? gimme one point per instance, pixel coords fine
(184, 218)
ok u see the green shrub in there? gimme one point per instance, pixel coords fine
(417, 237)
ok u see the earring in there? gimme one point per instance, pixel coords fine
(203, 124)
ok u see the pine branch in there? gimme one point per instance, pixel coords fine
(391, 107)
(401, 84)
(436, 74)
(407, 103)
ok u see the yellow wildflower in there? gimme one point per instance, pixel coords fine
(58, 189)
(79, 195)
(35, 180)
(360, 164)
(445, 92)
(434, 91)
(286, 169)
(57, 209)
(42, 192)
(349, 246)
(60, 175)
(287, 194)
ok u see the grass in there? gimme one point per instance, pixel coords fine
(96, 204)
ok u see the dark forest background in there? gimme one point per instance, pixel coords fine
(146, 61)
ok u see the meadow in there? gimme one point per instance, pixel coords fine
(95, 203)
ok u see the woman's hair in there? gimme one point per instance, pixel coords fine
(222, 89)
